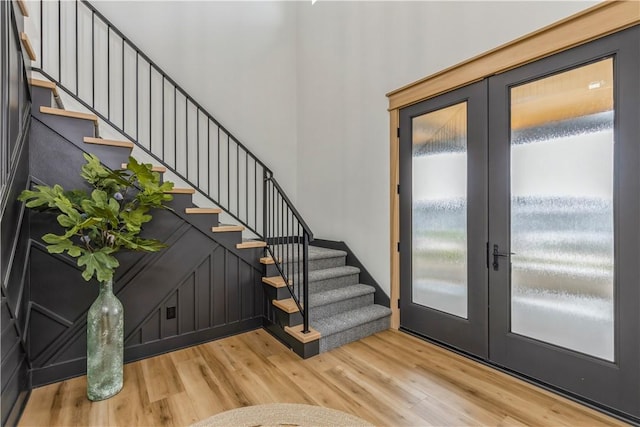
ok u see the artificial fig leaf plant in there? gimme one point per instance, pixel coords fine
(108, 219)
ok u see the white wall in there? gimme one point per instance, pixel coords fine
(304, 86)
(349, 55)
(237, 59)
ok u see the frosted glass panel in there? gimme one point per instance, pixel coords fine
(562, 210)
(439, 211)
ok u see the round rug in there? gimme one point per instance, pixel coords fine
(281, 415)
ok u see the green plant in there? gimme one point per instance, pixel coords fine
(105, 221)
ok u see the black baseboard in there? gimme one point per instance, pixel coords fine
(73, 368)
(303, 350)
(380, 297)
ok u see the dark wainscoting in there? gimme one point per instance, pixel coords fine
(14, 225)
(213, 289)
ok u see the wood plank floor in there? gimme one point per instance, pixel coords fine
(390, 378)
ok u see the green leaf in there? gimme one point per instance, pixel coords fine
(42, 196)
(76, 196)
(100, 264)
(64, 245)
(134, 218)
(53, 238)
(96, 174)
(143, 174)
(111, 224)
(139, 244)
(100, 207)
(65, 221)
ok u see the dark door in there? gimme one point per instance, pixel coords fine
(443, 215)
(564, 199)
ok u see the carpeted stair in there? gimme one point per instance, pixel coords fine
(341, 308)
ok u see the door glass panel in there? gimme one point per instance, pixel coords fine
(562, 275)
(439, 210)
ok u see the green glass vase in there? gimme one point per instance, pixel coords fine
(105, 342)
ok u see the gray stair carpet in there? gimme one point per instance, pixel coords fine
(351, 325)
(319, 258)
(341, 308)
(335, 301)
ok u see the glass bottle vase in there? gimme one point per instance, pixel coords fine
(105, 337)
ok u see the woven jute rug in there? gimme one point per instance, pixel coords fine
(283, 415)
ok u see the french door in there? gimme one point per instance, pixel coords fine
(444, 162)
(520, 241)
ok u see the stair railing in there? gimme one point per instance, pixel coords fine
(97, 65)
(288, 238)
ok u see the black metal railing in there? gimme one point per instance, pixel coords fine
(288, 237)
(97, 65)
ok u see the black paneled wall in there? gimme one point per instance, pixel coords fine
(14, 224)
(195, 290)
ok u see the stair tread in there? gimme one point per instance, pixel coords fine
(67, 113)
(333, 272)
(178, 190)
(319, 299)
(45, 84)
(23, 8)
(349, 319)
(111, 142)
(296, 332)
(202, 210)
(315, 252)
(246, 244)
(287, 305)
(327, 273)
(160, 169)
(275, 281)
(268, 260)
(225, 228)
(28, 46)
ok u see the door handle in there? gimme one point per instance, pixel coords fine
(497, 254)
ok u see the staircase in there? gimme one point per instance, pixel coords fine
(341, 309)
(315, 302)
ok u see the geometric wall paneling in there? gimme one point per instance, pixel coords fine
(44, 328)
(211, 290)
(57, 286)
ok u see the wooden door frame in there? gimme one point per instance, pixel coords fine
(598, 21)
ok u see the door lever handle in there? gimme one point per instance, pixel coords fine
(497, 254)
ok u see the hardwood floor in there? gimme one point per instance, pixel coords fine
(390, 378)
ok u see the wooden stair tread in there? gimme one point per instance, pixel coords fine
(251, 244)
(72, 114)
(27, 46)
(23, 8)
(226, 228)
(202, 210)
(178, 190)
(267, 260)
(45, 84)
(275, 281)
(160, 169)
(110, 142)
(287, 305)
(296, 332)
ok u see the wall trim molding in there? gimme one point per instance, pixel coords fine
(593, 23)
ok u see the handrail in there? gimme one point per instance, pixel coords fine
(168, 126)
(292, 207)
